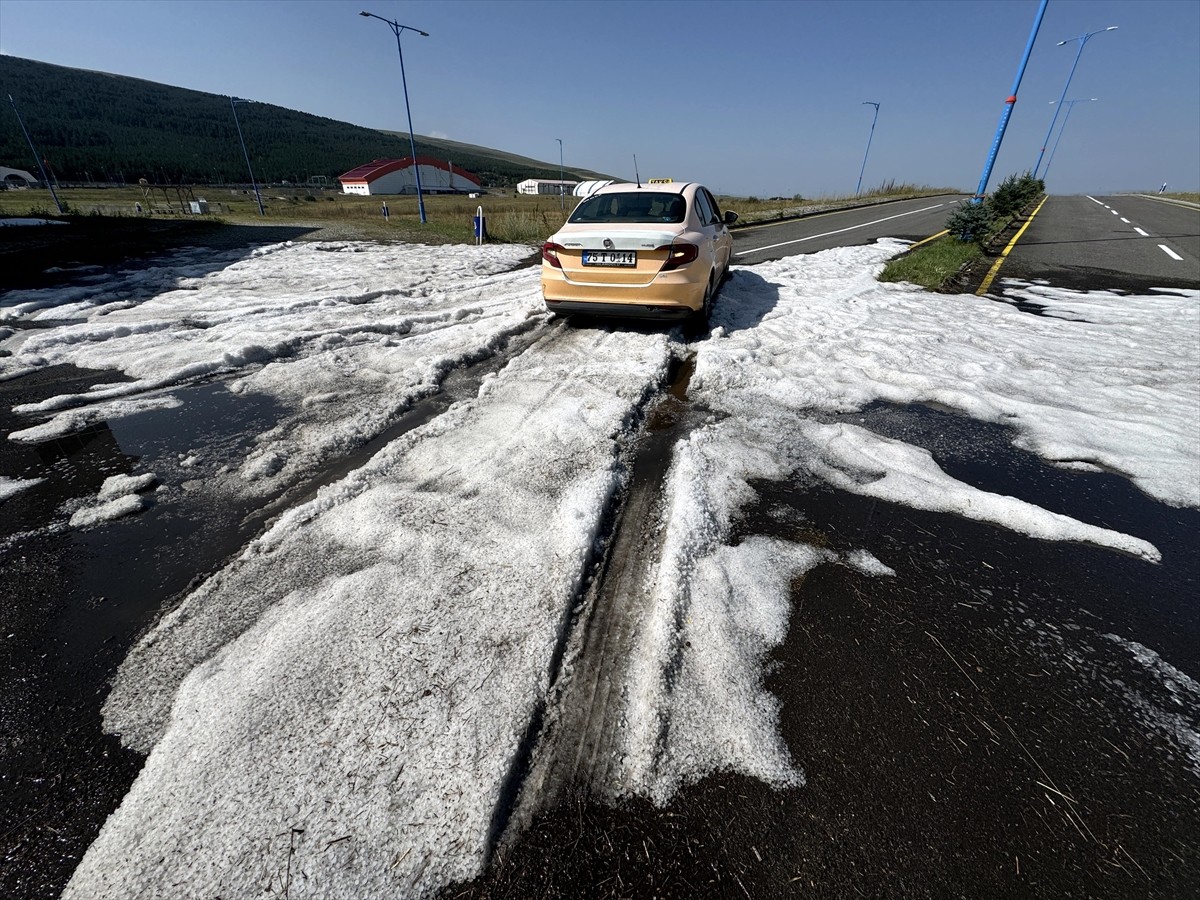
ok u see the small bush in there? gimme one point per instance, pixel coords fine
(1014, 194)
(971, 222)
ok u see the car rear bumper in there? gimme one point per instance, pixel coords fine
(670, 294)
(619, 310)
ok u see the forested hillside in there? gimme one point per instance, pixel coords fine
(92, 126)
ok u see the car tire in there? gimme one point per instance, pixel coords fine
(700, 317)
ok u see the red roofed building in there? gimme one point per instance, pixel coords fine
(398, 176)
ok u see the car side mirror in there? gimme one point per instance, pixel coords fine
(730, 217)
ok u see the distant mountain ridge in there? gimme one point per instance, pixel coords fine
(94, 126)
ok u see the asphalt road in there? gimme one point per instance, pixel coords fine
(1123, 242)
(911, 220)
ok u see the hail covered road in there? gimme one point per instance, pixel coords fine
(340, 570)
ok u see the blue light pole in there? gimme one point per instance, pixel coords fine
(233, 101)
(1070, 104)
(37, 159)
(981, 191)
(397, 28)
(1083, 39)
(869, 136)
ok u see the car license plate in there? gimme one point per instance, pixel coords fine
(610, 257)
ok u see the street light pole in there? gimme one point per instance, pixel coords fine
(397, 28)
(562, 190)
(1070, 104)
(1083, 39)
(233, 101)
(37, 159)
(869, 136)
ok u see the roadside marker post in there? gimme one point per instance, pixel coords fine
(480, 226)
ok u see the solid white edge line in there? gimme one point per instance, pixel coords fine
(813, 237)
(1171, 253)
(1139, 231)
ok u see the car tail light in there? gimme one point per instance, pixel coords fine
(550, 253)
(678, 255)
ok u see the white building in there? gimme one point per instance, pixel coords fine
(16, 178)
(545, 186)
(399, 176)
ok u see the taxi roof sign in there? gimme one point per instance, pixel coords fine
(661, 181)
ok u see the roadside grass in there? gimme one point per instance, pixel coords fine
(972, 228)
(1189, 197)
(933, 264)
(752, 210)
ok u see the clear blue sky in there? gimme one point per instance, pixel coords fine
(760, 98)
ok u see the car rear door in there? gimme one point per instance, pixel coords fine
(722, 240)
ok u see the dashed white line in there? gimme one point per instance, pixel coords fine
(1139, 231)
(1094, 200)
(1171, 253)
(1125, 220)
(1113, 211)
(813, 237)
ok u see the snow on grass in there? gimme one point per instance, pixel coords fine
(345, 701)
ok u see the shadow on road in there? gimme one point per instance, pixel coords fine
(744, 301)
(53, 255)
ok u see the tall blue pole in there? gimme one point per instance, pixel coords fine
(233, 101)
(1083, 39)
(37, 159)
(397, 29)
(858, 189)
(412, 144)
(1008, 106)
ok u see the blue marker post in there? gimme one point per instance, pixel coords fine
(1008, 107)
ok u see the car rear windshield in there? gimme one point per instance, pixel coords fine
(636, 206)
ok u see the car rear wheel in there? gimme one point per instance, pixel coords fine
(700, 316)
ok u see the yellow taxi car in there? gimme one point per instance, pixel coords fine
(654, 250)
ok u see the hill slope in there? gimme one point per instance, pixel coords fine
(99, 127)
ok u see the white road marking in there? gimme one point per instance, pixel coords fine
(1113, 211)
(1125, 220)
(1171, 253)
(1094, 200)
(813, 237)
(1139, 231)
